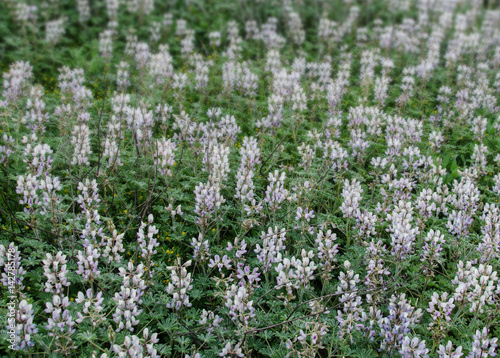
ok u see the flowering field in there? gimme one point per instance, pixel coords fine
(249, 178)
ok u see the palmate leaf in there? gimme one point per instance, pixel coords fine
(266, 334)
(265, 351)
(168, 325)
(183, 343)
(30, 261)
(283, 335)
(38, 246)
(208, 338)
(196, 294)
(362, 352)
(87, 336)
(35, 276)
(165, 350)
(111, 278)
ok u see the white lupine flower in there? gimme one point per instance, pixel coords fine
(55, 270)
(414, 348)
(275, 192)
(179, 285)
(475, 286)
(106, 43)
(16, 80)
(129, 297)
(351, 193)
(271, 244)
(164, 156)
(54, 30)
(448, 352)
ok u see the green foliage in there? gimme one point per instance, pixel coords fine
(283, 321)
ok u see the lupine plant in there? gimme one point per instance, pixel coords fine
(282, 178)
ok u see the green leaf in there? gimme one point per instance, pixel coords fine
(168, 324)
(362, 352)
(87, 336)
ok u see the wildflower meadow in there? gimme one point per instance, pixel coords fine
(251, 178)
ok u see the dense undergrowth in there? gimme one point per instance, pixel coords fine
(262, 179)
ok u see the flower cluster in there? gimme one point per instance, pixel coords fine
(179, 286)
(286, 181)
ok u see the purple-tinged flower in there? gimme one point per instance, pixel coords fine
(414, 348)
